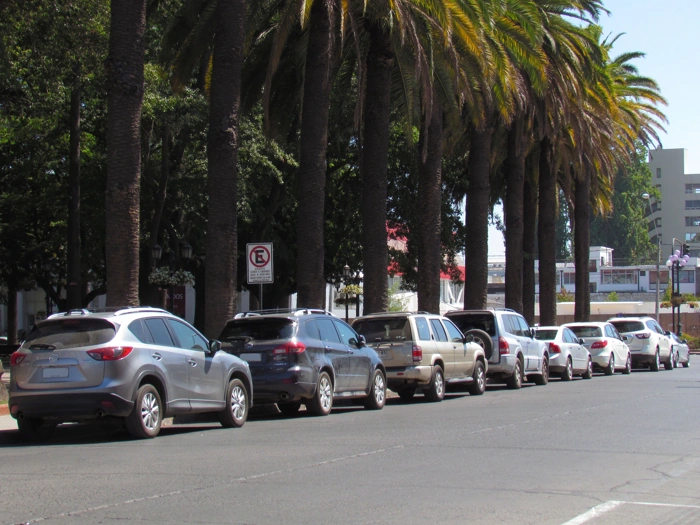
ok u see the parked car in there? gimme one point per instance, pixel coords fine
(649, 344)
(513, 353)
(305, 356)
(681, 352)
(136, 364)
(567, 354)
(423, 351)
(607, 347)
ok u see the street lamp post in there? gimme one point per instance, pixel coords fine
(346, 278)
(645, 196)
(675, 262)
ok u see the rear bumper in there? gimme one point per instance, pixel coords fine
(69, 407)
(291, 384)
(421, 374)
(505, 367)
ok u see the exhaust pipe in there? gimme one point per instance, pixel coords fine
(284, 396)
(100, 413)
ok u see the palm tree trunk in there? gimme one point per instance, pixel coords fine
(74, 286)
(546, 234)
(477, 249)
(225, 94)
(375, 157)
(529, 249)
(311, 177)
(430, 197)
(123, 188)
(515, 186)
(11, 315)
(582, 231)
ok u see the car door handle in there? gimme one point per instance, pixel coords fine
(192, 363)
(157, 357)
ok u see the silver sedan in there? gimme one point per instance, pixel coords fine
(567, 355)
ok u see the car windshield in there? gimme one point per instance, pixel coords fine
(69, 333)
(484, 322)
(628, 326)
(386, 329)
(545, 335)
(587, 331)
(259, 329)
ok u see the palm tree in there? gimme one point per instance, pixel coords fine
(224, 104)
(122, 192)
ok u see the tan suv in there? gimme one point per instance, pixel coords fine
(423, 351)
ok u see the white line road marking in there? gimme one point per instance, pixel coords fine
(601, 509)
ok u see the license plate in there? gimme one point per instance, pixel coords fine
(49, 373)
(251, 358)
(381, 352)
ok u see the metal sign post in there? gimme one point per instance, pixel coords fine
(260, 267)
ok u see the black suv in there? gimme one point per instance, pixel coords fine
(305, 356)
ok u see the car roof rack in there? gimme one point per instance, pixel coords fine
(116, 310)
(293, 311)
(421, 312)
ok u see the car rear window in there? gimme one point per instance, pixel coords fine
(70, 333)
(388, 329)
(484, 322)
(261, 329)
(545, 335)
(628, 326)
(587, 331)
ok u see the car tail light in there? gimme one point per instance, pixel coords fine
(554, 348)
(16, 358)
(111, 353)
(646, 335)
(503, 346)
(417, 353)
(599, 344)
(290, 347)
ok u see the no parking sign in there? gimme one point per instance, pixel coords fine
(260, 263)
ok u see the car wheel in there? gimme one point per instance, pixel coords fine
(289, 409)
(687, 363)
(146, 417)
(568, 373)
(589, 370)
(628, 365)
(236, 412)
(377, 392)
(483, 340)
(406, 394)
(542, 379)
(322, 402)
(436, 391)
(655, 364)
(478, 387)
(516, 380)
(668, 365)
(610, 369)
(35, 428)
(676, 358)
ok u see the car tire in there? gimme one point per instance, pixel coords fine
(668, 365)
(687, 363)
(436, 391)
(406, 394)
(628, 365)
(588, 374)
(147, 416)
(289, 409)
(610, 369)
(676, 358)
(322, 402)
(237, 404)
(568, 373)
(377, 392)
(478, 387)
(483, 340)
(655, 365)
(543, 378)
(515, 381)
(36, 429)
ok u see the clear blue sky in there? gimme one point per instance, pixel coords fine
(668, 33)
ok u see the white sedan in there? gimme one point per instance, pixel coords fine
(607, 347)
(567, 355)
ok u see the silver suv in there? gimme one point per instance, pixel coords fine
(423, 351)
(136, 364)
(512, 351)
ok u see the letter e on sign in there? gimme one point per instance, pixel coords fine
(259, 263)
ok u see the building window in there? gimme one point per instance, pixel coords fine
(692, 188)
(687, 276)
(692, 205)
(692, 221)
(658, 173)
(618, 276)
(658, 222)
(692, 237)
(663, 277)
(695, 253)
(569, 278)
(593, 264)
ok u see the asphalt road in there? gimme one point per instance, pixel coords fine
(613, 450)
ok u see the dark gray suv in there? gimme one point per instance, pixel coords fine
(136, 364)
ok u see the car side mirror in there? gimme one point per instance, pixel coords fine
(625, 338)
(214, 346)
(667, 333)
(362, 341)
(684, 341)
(532, 333)
(581, 341)
(468, 338)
